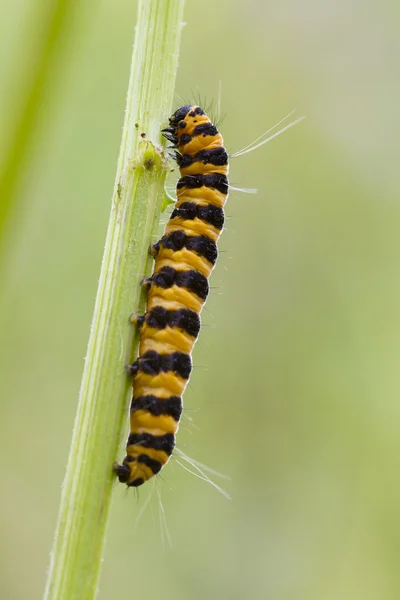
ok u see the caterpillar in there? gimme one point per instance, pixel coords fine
(176, 292)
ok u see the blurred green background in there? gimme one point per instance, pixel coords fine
(296, 396)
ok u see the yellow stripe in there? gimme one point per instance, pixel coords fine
(135, 450)
(165, 425)
(202, 195)
(165, 341)
(144, 471)
(193, 227)
(139, 470)
(199, 167)
(143, 421)
(170, 382)
(162, 346)
(174, 297)
(200, 142)
(145, 390)
(168, 304)
(191, 260)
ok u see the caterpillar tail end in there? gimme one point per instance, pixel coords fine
(123, 472)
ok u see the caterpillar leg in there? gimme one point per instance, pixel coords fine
(137, 320)
(132, 369)
(122, 472)
(146, 282)
(153, 249)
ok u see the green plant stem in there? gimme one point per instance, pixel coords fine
(102, 410)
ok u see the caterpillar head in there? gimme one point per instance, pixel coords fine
(182, 123)
(191, 131)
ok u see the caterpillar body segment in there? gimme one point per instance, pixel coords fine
(184, 258)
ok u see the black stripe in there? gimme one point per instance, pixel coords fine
(136, 482)
(153, 363)
(201, 244)
(129, 459)
(185, 319)
(165, 442)
(216, 156)
(123, 472)
(216, 181)
(185, 139)
(191, 280)
(196, 111)
(214, 215)
(179, 115)
(171, 407)
(154, 465)
(194, 282)
(205, 129)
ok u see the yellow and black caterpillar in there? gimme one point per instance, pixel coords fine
(177, 290)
